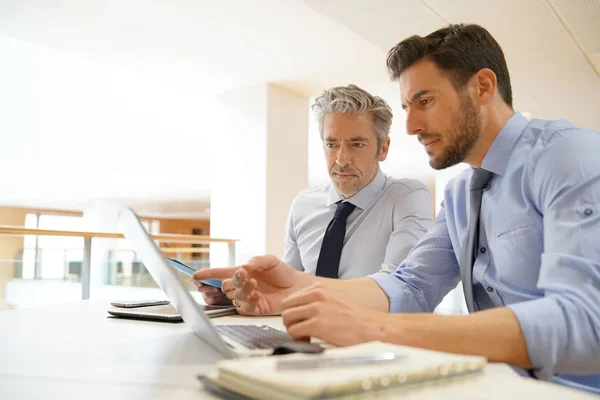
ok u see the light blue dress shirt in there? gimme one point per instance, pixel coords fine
(539, 246)
(390, 217)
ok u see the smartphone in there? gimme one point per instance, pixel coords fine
(186, 269)
(139, 303)
(166, 313)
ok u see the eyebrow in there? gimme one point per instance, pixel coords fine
(416, 96)
(354, 139)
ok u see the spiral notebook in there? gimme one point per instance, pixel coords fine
(276, 377)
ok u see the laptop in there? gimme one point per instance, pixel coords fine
(231, 341)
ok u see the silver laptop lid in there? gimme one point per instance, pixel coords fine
(166, 278)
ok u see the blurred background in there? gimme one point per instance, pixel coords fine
(196, 114)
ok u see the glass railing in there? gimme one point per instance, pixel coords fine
(54, 276)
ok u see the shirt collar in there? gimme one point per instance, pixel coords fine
(363, 198)
(498, 155)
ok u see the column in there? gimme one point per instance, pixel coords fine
(101, 215)
(10, 246)
(260, 163)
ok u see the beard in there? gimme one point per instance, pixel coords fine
(347, 188)
(464, 132)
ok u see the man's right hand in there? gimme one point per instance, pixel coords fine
(258, 286)
(213, 296)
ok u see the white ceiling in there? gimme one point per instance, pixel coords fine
(112, 98)
(56, 53)
(211, 46)
(549, 44)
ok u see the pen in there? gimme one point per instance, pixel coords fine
(323, 362)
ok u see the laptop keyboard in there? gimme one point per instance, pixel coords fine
(255, 336)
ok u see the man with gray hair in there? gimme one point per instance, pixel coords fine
(363, 222)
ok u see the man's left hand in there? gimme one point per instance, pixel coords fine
(316, 312)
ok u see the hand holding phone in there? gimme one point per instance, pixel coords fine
(190, 271)
(211, 282)
(211, 296)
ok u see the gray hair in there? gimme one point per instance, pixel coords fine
(353, 100)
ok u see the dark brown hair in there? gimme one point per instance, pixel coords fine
(459, 50)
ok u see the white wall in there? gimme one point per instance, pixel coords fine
(287, 158)
(238, 174)
(72, 130)
(258, 165)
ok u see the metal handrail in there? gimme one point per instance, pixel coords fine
(87, 245)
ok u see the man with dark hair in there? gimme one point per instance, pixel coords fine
(362, 221)
(520, 228)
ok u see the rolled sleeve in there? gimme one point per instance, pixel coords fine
(562, 329)
(401, 298)
(543, 340)
(429, 272)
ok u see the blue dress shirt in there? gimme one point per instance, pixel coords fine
(539, 246)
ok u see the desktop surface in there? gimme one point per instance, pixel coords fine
(75, 350)
(80, 343)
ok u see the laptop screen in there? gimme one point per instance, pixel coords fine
(167, 279)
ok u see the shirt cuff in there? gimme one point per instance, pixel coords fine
(544, 334)
(396, 292)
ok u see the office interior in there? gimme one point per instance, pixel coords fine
(196, 114)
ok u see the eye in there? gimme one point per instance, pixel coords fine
(359, 145)
(330, 145)
(424, 102)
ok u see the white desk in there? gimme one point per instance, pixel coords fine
(74, 351)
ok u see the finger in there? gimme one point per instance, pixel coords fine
(243, 284)
(239, 278)
(214, 294)
(243, 294)
(304, 296)
(250, 307)
(266, 265)
(214, 273)
(217, 300)
(298, 314)
(230, 294)
(255, 263)
(196, 283)
(262, 262)
(227, 285)
(211, 297)
(210, 301)
(205, 289)
(245, 312)
(304, 329)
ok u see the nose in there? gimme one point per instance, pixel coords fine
(343, 158)
(414, 123)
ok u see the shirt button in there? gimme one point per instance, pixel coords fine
(483, 250)
(490, 289)
(588, 212)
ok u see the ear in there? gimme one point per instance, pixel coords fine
(385, 147)
(485, 86)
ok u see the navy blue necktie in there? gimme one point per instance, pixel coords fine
(331, 250)
(479, 180)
